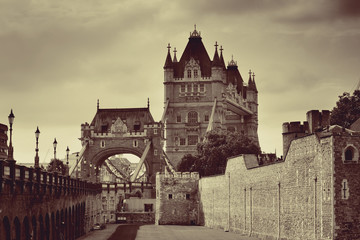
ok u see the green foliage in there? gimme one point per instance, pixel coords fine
(212, 154)
(347, 110)
(57, 166)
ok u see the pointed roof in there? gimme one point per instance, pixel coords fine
(233, 75)
(251, 83)
(175, 59)
(194, 49)
(168, 61)
(222, 58)
(216, 60)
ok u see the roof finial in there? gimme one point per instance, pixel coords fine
(253, 76)
(221, 49)
(216, 45)
(168, 47)
(98, 104)
(250, 72)
(148, 103)
(175, 51)
(195, 27)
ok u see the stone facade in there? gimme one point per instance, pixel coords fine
(203, 94)
(177, 198)
(313, 194)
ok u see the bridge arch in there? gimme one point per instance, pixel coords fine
(6, 231)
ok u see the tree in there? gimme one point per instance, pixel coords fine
(57, 166)
(347, 110)
(212, 154)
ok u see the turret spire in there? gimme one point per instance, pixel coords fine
(168, 61)
(175, 59)
(216, 60)
(98, 104)
(148, 103)
(222, 58)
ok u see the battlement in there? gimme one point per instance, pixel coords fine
(295, 127)
(153, 125)
(183, 175)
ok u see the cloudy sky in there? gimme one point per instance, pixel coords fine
(58, 57)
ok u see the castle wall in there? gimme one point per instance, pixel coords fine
(177, 198)
(288, 200)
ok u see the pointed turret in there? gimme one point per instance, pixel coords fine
(234, 76)
(175, 59)
(216, 60)
(251, 83)
(168, 61)
(222, 58)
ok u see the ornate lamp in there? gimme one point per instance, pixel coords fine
(37, 134)
(11, 150)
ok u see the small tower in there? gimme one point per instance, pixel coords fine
(252, 101)
(168, 67)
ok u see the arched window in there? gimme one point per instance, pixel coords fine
(189, 73)
(349, 154)
(192, 117)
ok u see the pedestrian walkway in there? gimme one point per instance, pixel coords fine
(162, 232)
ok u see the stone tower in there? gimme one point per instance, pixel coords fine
(203, 94)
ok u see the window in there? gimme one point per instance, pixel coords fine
(195, 73)
(187, 196)
(178, 118)
(188, 88)
(148, 207)
(189, 73)
(135, 143)
(195, 86)
(170, 196)
(155, 131)
(102, 143)
(182, 141)
(192, 117)
(202, 87)
(137, 126)
(206, 118)
(192, 139)
(155, 152)
(104, 128)
(349, 154)
(182, 88)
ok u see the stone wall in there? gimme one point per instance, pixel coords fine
(287, 200)
(177, 198)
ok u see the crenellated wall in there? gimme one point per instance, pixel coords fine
(301, 197)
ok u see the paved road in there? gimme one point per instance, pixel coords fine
(163, 232)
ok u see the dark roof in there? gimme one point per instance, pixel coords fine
(216, 60)
(222, 59)
(194, 49)
(131, 115)
(233, 76)
(252, 84)
(168, 61)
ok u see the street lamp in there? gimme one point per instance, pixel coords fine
(37, 134)
(67, 155)
(55, 144)
(11, 150)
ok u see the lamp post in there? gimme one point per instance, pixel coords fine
(67, 160)
(11, 150)
(77, 166)
(37, 134)
(55, 144)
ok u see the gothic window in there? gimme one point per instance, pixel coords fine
(135, 143)
(195, 86)
(189, 73)
(192, 117)
(102, 143)
(182, 141)
(202, 87)
(195, 73)
(170, 196)
(206, 118)
(188, 86)
(192, 139)
(182, 88)
(350, 154)
(178, 118)
(155, 131)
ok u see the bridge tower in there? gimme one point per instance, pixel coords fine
(117, 131)
(203, 94)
